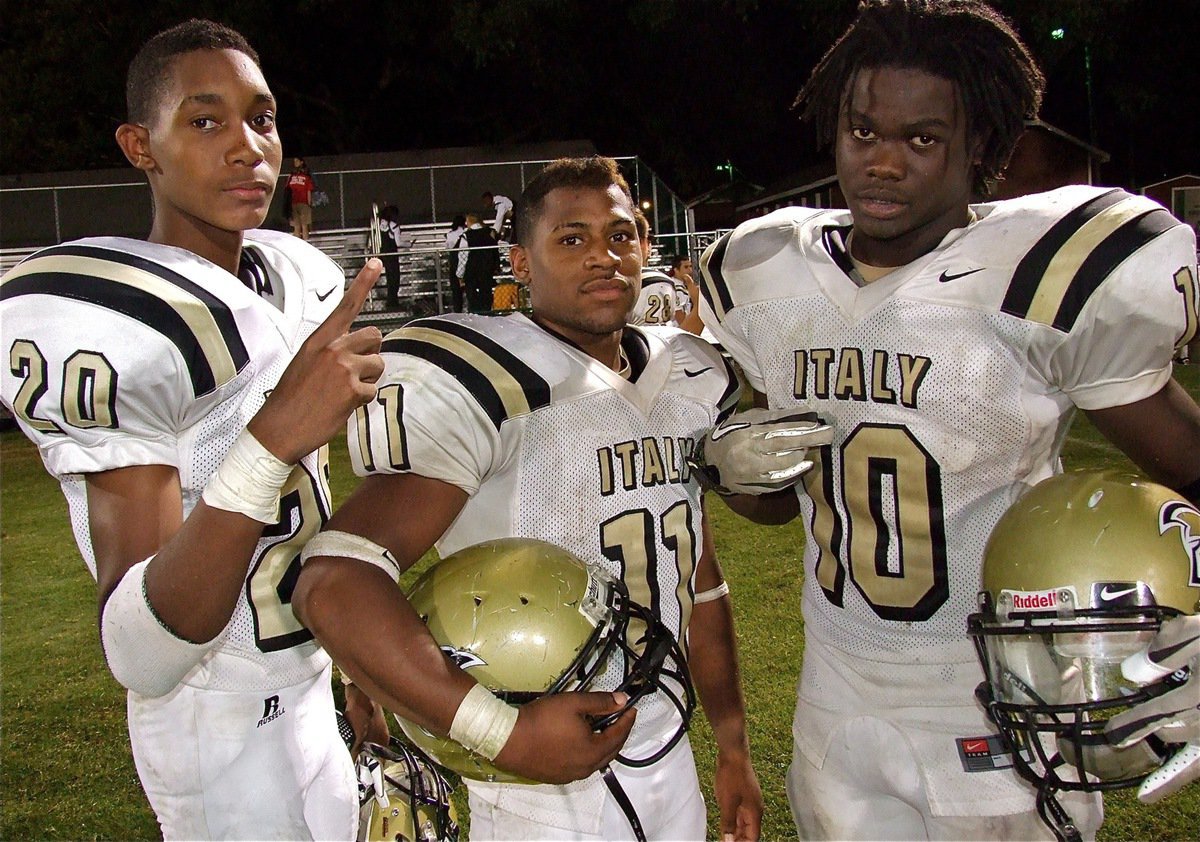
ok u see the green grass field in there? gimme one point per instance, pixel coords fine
(65, 767)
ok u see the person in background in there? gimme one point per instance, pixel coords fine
(478, 262)
(502, 208)
(656, 302)
(451, 251)
(687, 295)
(390, 246)
(300, 187)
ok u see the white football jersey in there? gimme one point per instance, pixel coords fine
(656, 303)
(123, 352)
(683, 299)
(551, 444)
(949, 383)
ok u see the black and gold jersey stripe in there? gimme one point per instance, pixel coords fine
(501, 383)
(713, 285)
(1056, 277)
(197, 322)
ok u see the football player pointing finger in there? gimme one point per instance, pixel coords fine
(193, 491)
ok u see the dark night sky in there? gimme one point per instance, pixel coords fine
(684, 84)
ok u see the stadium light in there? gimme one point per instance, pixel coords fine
(1058, 34)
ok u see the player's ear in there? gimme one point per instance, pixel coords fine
(134, 141)
(518, 260)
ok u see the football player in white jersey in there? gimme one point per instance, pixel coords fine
(568, 427)
(948, 345)
(655, 304)
(182, 390)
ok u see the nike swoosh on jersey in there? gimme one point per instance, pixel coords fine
(323, 296)
(721, 432)
(696, 373)
(947, 276)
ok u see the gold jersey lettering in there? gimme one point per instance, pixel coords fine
(626, 451)
(850, 384)
(825, 373)
(652, 463)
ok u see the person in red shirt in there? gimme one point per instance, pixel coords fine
(300, 186)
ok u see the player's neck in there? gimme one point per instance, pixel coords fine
(219, 247)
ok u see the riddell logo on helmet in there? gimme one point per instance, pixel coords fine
(1034, 600)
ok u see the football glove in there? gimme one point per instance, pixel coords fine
(758, 451)
(1174, 716)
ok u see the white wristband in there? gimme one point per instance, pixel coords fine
(483, 723)
(712, 593)
(348, 545)
(248, 480)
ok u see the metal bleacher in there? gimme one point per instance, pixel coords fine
(12, 256)
(424, 277)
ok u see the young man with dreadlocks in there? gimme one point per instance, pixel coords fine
(947, 345)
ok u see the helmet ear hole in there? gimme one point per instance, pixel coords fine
(524, 600)
(478, 599)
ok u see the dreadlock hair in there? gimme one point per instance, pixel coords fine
(594, 171)
(146, 81)
(964, 41)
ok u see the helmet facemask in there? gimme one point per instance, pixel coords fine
(402, 796)
(1078, 576)
(1054, 680)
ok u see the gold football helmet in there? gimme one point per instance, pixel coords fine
(402, 797)
(527, 619)
(1078, 575)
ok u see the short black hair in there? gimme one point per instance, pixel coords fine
(642, 224)
(964, 41)
(147, 78)
(594, 171)
(678, 259)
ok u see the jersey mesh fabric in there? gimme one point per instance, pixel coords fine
(923, 465)
(192, 432)
(977, 434)
(559, 477)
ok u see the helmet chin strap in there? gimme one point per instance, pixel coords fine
(618, 792)
(1055, 817)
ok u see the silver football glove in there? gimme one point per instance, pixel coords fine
(1173, 716)
(758, 451)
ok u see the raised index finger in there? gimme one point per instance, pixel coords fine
(343, 315)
